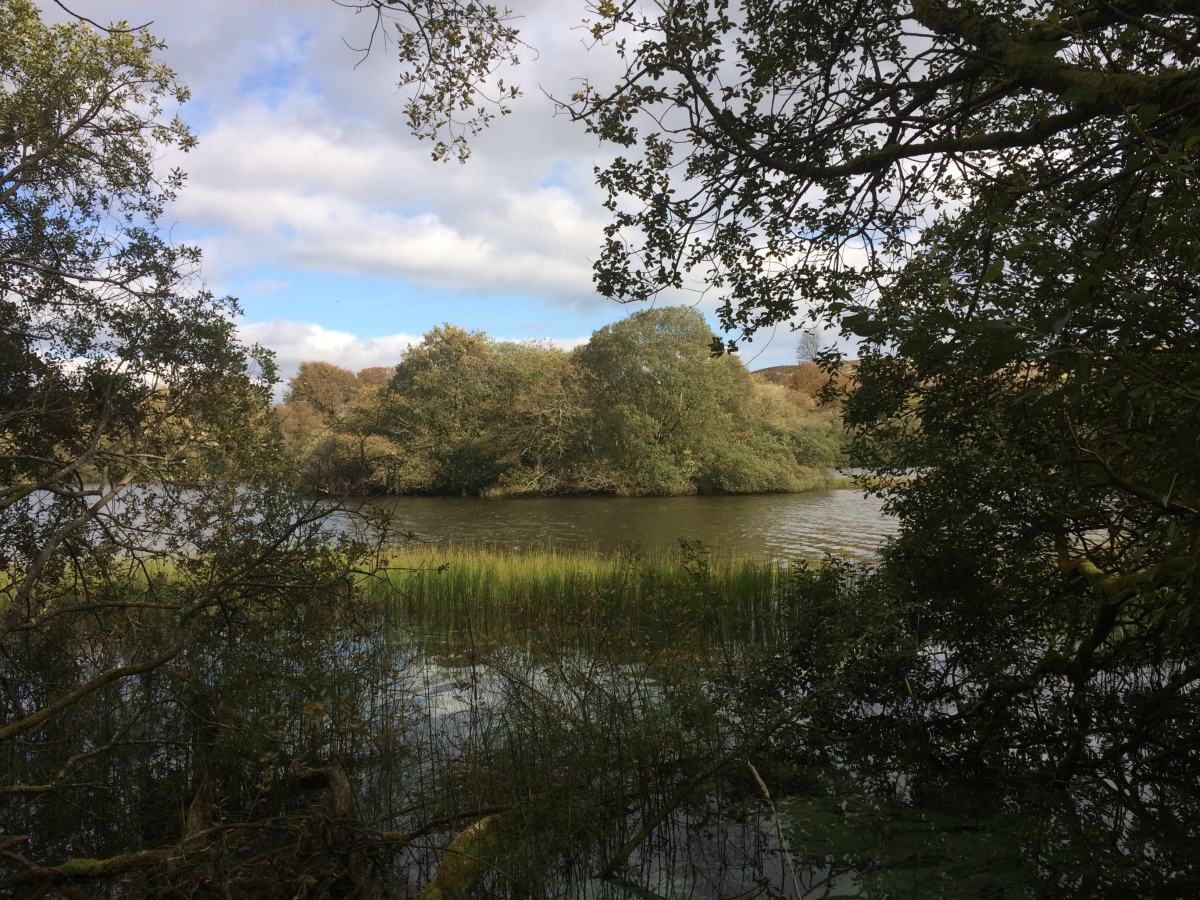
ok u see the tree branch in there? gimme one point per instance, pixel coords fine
(109, 29)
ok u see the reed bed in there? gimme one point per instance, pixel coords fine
(495, 593)
(581, 691)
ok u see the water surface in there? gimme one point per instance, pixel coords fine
(774, 526)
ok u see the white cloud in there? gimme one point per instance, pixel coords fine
(306, 163)
(296, 342)
(305, 159)
(290, 187)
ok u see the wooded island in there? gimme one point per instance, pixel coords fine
(642, 408)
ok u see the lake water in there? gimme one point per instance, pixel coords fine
(773, 526)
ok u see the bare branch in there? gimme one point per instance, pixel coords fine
(109, 29)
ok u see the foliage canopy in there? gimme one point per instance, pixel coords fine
(997, 200)
(642, 408)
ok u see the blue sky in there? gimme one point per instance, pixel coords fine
(341, 238)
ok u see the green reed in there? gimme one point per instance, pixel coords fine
(583, 684)
(499, 594)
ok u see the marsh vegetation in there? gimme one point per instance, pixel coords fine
(580, 724)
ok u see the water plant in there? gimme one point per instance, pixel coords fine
(586, 597)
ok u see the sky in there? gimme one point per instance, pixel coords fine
(341, 238)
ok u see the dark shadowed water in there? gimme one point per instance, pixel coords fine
(775, 526)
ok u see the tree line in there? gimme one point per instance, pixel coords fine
(642, 408)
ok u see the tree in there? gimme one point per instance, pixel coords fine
(325, 387)
(449, 50)
(114, 371)
(154, 565)
(319, 396)
(374, 376)
(999, 202)
(541, 428)
(809, 346)
(653, 393)
(440, 408)
(843, 129)
(299, 424)
(669, 417)
(643, 407)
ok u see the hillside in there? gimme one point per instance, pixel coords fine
(775, 374)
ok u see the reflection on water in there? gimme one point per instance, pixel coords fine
(774, 526)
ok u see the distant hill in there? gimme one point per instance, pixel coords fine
(780, 374)
(775, 374)
(806, 380)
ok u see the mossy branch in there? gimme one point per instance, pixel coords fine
(468, 858)
(87, 869)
